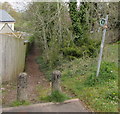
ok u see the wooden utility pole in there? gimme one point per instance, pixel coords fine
(102, 45)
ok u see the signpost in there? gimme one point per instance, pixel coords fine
(103, 23)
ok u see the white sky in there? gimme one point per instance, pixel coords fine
(20, 4)
(17, 4)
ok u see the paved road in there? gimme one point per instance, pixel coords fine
(68, 106)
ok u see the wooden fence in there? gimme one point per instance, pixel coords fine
(12, 56)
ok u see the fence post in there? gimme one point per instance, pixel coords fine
(56, 75)
(22, 87)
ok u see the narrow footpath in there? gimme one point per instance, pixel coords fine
(35, 78)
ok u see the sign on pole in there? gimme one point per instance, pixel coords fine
(103, 23)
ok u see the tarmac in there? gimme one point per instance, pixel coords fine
(73, 105)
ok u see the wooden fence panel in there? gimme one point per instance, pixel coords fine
(12, 57)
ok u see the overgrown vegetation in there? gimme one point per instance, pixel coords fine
(80, 28)
(61, 35)
(79, 77)
(100, 93)
(68, 34)
(69, 38)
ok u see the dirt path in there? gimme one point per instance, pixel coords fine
(35, 78)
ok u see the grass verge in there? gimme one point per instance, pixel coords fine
(19, 103)
(55, 96)
(79, 77)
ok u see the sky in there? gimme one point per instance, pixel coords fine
(20, 4)
(17, 4)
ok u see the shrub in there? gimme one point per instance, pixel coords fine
(72, 52)
(90, 48)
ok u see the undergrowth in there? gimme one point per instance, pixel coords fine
(79, 77)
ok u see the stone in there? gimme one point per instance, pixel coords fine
(22, 87)
(56, 75)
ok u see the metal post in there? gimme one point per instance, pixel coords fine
(101, 49)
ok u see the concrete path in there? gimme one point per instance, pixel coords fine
(68, 106)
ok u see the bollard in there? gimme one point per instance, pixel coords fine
(22, 87)
(56, 75)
